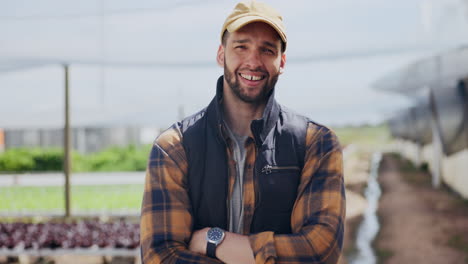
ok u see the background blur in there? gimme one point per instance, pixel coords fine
(388, 76)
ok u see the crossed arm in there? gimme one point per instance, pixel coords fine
(317, 217)
(234, 249)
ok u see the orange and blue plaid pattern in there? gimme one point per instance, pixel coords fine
(317, 219)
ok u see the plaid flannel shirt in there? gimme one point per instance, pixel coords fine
(317, 219)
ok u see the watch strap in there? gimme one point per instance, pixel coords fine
(211, 250)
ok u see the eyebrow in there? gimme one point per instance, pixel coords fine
(241, 41)
(266, 43)
(269, 44)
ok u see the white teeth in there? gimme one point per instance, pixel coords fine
(251, 77)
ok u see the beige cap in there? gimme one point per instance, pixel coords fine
(253, 11)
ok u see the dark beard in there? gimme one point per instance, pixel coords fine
(233, 82)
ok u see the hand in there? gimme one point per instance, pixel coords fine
(198, 242)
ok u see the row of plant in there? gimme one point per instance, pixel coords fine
(76, 234)
(130, 158)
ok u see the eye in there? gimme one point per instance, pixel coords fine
(268, 51)
(241, 47)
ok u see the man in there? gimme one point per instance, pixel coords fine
(245, 180)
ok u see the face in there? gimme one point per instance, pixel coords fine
(252, 61)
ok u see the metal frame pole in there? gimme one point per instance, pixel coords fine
(67, 148)
(436, 143)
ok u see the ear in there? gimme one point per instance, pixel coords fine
(220, 56)
(282, 63)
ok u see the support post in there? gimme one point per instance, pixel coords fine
(67, 145)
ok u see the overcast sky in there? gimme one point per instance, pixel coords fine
(336, 49)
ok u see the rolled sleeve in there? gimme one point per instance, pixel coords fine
(263, 247)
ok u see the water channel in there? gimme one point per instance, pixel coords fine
(369, 227)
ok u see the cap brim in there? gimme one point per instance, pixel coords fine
(240, 22)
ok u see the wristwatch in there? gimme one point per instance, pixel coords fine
(214, 237)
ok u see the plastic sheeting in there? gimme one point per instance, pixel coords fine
(434, 72)
(445, 76)
(413, 124)
(451, 113)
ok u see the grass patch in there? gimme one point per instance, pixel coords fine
(351, 229)
(460, 201)
(415, 175)
(383, 254)
(373, 136)
(83, 198)
(459, 243)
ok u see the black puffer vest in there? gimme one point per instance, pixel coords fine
(280, 142)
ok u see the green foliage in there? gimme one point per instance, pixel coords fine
(128, 158)
(51, 160)
(23, 159)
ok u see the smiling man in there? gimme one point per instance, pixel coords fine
(245, 180)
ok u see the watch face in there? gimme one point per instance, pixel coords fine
(215, 235)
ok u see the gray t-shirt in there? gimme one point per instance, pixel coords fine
(236, 208)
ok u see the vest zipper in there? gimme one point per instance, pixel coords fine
(228, 200)
(267, 169)
(257, 193)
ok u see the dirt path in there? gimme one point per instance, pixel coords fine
(418, 223)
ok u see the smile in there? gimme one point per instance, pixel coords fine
(252, 77)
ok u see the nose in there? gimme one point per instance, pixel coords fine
(254, 60)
